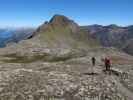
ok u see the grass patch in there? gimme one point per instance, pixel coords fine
(14, 58)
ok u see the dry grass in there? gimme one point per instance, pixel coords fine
(121, 60)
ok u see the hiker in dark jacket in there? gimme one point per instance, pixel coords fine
(107, 64)
(93, 59)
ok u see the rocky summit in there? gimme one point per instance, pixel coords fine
(55, 64)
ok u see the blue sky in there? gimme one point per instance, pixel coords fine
(19, 13)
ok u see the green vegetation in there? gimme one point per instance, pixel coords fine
(14, 58)
(87, 39)
(57, 36)
(25, 59)
(62, 32)
(63, 36)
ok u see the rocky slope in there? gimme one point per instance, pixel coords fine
(60, 31)
(67, 78)
(129, 47)
(113, 35)
(50, 67)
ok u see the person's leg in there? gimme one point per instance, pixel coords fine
(106, 67)
(93, 63)
(109, 69)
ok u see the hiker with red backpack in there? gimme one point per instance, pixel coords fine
(107, 64)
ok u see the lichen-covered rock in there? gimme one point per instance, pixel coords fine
(33, 85)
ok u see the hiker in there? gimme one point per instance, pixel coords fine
(93, 59)
(107, 64)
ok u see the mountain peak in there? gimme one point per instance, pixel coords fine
(59, 20)
(61, 31)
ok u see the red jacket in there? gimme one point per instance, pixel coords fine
(107, 61)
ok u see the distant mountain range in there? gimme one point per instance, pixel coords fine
(60, 31)
(113, 35)
(14, 35)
